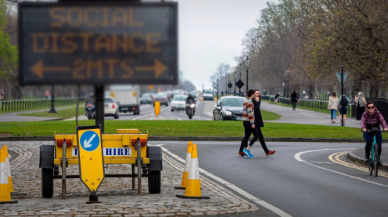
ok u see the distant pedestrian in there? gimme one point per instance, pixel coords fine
(277, 97)
(294, 100)
(360, 105)
(343, 108)
(333, 106)
(249, 125)
(222, 93)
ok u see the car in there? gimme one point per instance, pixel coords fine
(178, 102)
(162, 98)
(146, 99)
(195, 93)
(207, 95)
(229, 108)
(111, 108)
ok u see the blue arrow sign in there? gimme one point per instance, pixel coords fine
(90, 141)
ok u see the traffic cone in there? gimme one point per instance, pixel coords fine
(187, 167)
(10, 183)
(193, 189)
(5, 194)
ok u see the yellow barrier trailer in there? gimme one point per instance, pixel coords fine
(127, 146)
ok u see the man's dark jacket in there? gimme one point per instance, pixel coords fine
(258, 118)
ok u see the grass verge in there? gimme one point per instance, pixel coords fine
(182, 128)
(64, 113)
(269, 116)
(34, 109)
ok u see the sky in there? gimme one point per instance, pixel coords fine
(211, 32)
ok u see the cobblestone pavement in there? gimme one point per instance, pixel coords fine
(115, 193)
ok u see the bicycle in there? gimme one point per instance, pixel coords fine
(374, 154)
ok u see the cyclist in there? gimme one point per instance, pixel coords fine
(370, 119)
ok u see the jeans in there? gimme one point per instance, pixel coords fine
(333, 112)
(369, 140)
(248, 131)
(261, 139)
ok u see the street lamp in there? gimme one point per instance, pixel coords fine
(52, 110)
(247, 63)
(287, 83)
(235, 81)
(240, 69)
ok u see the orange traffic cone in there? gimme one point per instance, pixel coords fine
(187, 167)
(10, 183)
(5, 194)
(193, 189)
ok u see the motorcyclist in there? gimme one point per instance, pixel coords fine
(190, 99)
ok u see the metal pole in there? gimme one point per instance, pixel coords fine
(64, 169)
(247, 78)
(342, 93)
(99, 95)
(133, 177)
(138, 144)
(52, 110)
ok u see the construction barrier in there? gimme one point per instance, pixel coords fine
(193, 189)
(187, 167)
(5, 193)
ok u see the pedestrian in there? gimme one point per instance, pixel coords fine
(277, 97)
(360, 105)
(249, 125)
(343, 108)
(333, 106)
(222, 93)
(259, 122)
(294, 100)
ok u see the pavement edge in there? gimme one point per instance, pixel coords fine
(358, 160)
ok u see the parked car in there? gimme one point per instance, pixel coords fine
(162, 98)
(111, 108)
(178, 102)
(207, 95)
(229, 108)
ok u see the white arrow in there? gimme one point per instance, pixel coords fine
(87, 143)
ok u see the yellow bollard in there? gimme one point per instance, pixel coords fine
(5, 194)
(193, 189)
(187, 167)
(10, 183)
(157, 108)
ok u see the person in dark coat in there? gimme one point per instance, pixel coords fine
(259, 123)
(294, 99)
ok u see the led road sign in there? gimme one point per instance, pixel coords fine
(95, 43)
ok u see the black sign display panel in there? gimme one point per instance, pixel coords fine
(98, 43)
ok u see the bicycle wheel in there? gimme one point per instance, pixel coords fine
(371, 162)
(376, 162)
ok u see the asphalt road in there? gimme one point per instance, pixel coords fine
(308, 184)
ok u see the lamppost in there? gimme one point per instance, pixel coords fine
(287, 83)
(218, 96)
(235, 81)
(52, 110)
(247, 63)
(241, 68)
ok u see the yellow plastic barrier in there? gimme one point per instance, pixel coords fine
(157, 108)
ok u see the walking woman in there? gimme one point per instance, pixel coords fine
(294, 99)
(259, 123)
(360, 105)
(333, 106)
(249, 125)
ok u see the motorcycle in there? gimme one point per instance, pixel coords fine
(190, 109)
(90, 111)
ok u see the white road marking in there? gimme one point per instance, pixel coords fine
(298, 158)
(232, 186)
(148, 114)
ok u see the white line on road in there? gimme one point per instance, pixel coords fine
(232, 186)
(149, 114)
(297, 157)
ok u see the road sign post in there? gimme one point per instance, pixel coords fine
(91, 160)
(341, 78)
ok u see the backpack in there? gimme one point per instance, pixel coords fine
(345, 102)
(361, 102)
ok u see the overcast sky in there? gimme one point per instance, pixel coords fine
(211, 32)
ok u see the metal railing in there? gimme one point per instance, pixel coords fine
(19, 105)
(318, 104)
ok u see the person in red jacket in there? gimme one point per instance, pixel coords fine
(370, 119)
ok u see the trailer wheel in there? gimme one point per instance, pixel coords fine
(47, 183)
(154, 182)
